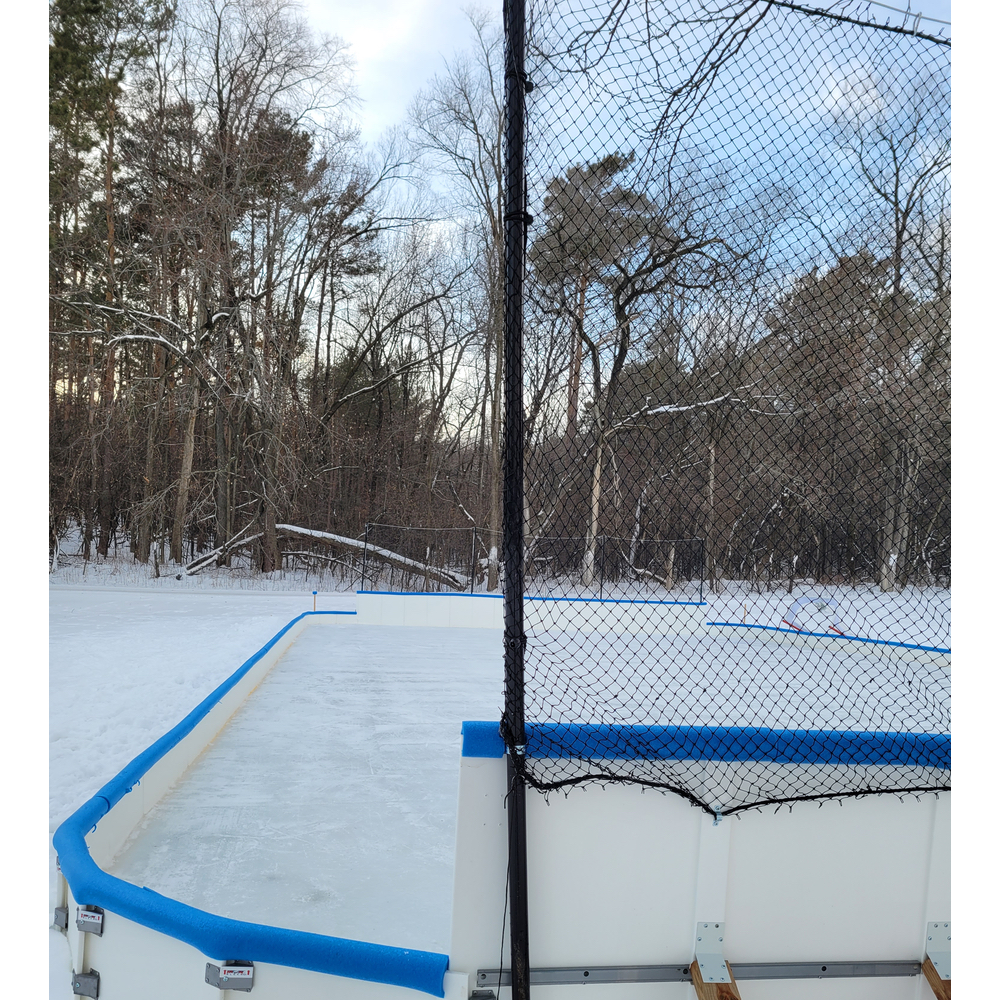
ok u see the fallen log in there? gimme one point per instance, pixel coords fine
(450, 579)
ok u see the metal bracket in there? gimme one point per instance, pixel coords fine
(61, 918)
(87, 984)
(939, 946)
(90, 919)
(233, 975)
(488, 980)
(708, 952)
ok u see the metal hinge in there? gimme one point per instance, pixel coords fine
(234, 975)
(708, 952)
(90, 919)
(87, 984)
(939, 946)
(61, 918)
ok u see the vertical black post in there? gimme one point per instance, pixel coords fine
(516, 221)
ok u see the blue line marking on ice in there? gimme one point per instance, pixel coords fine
(220, 937)
(830, 635)
(723, 743)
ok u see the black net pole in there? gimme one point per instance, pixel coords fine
(515, 237)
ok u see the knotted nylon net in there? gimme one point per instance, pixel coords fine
(736, 357)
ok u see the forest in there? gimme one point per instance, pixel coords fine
(267, 338)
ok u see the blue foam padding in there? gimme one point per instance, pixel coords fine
(834, 635)
(482, 739)
(219, 937)
(721, 743)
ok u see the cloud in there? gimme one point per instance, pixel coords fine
(397, 45)
(852, 93)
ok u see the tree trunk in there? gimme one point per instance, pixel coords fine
(888, 555)
(105, 500)
(710, 532)
(222, 522)
(496, 471)
(144, 527)
(270, 554)
(576, 363)
(187, 463)
(902, 485)
(595, 513)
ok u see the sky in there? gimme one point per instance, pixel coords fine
(398, 45)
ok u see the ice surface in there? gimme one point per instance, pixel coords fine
(731, 677)
(328, 804)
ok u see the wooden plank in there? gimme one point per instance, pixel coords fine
(941, 987)
(714, 991)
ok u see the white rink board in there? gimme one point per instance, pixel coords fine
(137, 963)
(547, 613)
(617, 876)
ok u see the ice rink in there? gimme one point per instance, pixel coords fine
(328, 803)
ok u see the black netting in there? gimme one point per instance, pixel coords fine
(736, 397)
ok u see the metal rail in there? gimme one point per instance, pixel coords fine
(582, 975)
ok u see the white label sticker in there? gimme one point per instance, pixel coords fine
(89, 917)
(236, 972)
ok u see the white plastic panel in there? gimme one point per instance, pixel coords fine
(486, 611)
(619, 877)
(134, 961)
